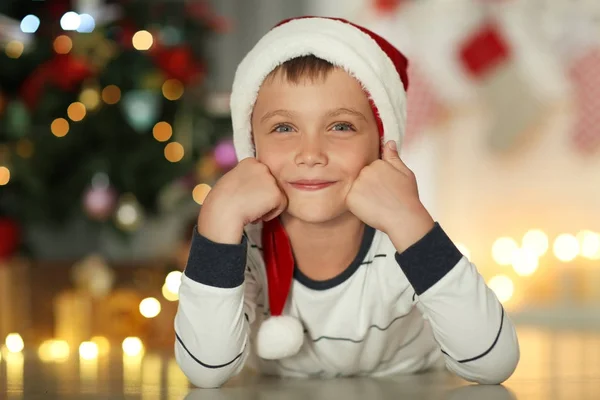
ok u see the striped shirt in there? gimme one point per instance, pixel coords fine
(387, 313)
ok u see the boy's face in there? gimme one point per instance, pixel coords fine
(318, 130)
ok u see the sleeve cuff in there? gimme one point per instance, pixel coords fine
(429, 260)
(216, 264)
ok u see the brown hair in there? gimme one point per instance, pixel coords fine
(308, 66)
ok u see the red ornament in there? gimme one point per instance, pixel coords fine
(10, 238)
(178, 63)
(64, 71)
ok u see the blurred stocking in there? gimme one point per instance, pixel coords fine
(487, 57)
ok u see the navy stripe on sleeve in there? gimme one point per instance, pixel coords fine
(466, 360)
(204, 364)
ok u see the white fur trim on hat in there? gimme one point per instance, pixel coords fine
(340, 43)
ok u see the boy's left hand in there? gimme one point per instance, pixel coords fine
(385, 196)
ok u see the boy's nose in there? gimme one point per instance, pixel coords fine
(311, 151)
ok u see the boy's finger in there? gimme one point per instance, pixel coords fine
(390, 154)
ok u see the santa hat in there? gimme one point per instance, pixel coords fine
(382, 71)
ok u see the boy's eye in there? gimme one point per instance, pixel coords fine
(282, 128)
(342, 126)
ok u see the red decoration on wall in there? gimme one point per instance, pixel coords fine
(386, 6)
(484, 50)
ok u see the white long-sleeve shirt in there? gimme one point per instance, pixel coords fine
(387, 313)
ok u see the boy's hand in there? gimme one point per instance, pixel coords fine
(248, 193)
(385, 196)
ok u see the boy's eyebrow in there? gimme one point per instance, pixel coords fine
(343, 110)
(271, 114)
(333, 113)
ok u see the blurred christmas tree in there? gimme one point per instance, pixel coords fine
(102, 111)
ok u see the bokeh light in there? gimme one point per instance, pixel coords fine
(111, 94)
(142, 40)
(14, 49)
(14, 343)
(59, 127)
(503, 287)
(525, 261)
(503, 250)
(566, 247)
(172, 89)
(174, 152)
(150, 307)
(88, 350)
(132, 346)
(76, 111)
(4, 175)
(162, 131)
(200, 192)
(535, 240)
(62, 44)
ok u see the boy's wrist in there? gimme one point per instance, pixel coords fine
(219, 225)
(408, 232)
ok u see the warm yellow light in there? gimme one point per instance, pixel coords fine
(589, 244)
(525, 262)
(503, 250)
(167, 294)
(14, 49)
(142, 40)
(503, 286)
(162, 131)
(464, 250)
(111, 94)
(200, 192)
(102, 343)
(63, 44)
(59, 127)
(54, 351)
(174, 152)
(25, 148)
(14, 343)
(132, 346)
(76, 111)
(150, 307)
(172, 89)
(566, 247)
(4, 175)
(536, 240)
(88, 350)
(173, 281)
(90, 98)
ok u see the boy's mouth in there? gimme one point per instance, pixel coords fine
(311, 184)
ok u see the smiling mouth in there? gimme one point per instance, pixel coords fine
(311, 185)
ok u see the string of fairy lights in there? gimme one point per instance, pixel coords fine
(525, 259)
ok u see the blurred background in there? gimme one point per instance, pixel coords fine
(114, 125)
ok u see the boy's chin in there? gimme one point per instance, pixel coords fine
(315, 215)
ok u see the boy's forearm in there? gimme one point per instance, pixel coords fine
(477, 337)
(211, 326)
(211, 333)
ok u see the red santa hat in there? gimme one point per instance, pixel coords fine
(382, 71)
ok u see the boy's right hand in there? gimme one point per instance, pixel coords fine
(246, 194)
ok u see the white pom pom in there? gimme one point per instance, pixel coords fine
(279, 337)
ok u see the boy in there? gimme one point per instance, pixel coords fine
(314, 256)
